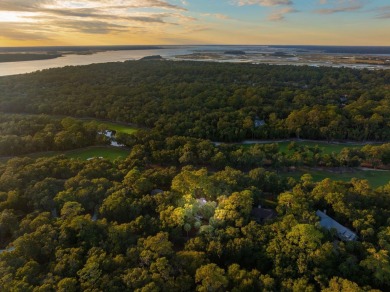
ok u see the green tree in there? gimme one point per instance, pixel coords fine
(378, 263)
(210, 278)
(337, 284)
(235, 209)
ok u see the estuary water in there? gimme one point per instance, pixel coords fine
(277, 55)
(13, 68)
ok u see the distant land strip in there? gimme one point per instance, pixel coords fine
(26, 57)
(76, 48)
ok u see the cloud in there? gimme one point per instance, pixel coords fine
(384, 15)
(24, 31)
(90, 27)
(79, 12)
(339, 6)
(21, 5)
(263, 2)
(201, 29)
(91, 16)
(279, 15)
(38, 5)
(181, 17)
(148, 4)
(217, 15)
(21, 34)
(382, 12)
(339, 9)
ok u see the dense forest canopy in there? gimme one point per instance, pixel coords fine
(181, 213)
(214, 101)
(22, 134)
(98, 225)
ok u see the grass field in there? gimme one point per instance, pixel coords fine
(118, 127)
(375, 178)
(106, 152)
(110, 153)
(327, 148)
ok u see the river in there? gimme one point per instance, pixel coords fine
(13, 68)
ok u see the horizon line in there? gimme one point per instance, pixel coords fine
(183, 45)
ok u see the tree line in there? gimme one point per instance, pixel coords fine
(180, 150)
(23, 134)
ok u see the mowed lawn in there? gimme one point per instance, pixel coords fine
(106, 152)
(110, 153)
(375, 178)
(326, 148)
(120, 128)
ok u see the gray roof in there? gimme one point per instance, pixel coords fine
(156, 191)
(259, 123)
(7, 249)
(261, 214)
(342, 232)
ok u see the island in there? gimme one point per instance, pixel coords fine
(18, 57)
(234, 52)
(154, 57)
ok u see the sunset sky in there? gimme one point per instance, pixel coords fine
(132, 22)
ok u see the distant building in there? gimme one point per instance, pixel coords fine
(261, 214)
(156, 192)
(343, 98)
(258, 122)
(94, 216)
(342, 232)
(202, 201)
(90, 158)
(7, 249)
(111, 136)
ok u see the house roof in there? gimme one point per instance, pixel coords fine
(202, 201)
(156, 191)
(259, 123)
(7, 249)
(263, 214)
(343, 232)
